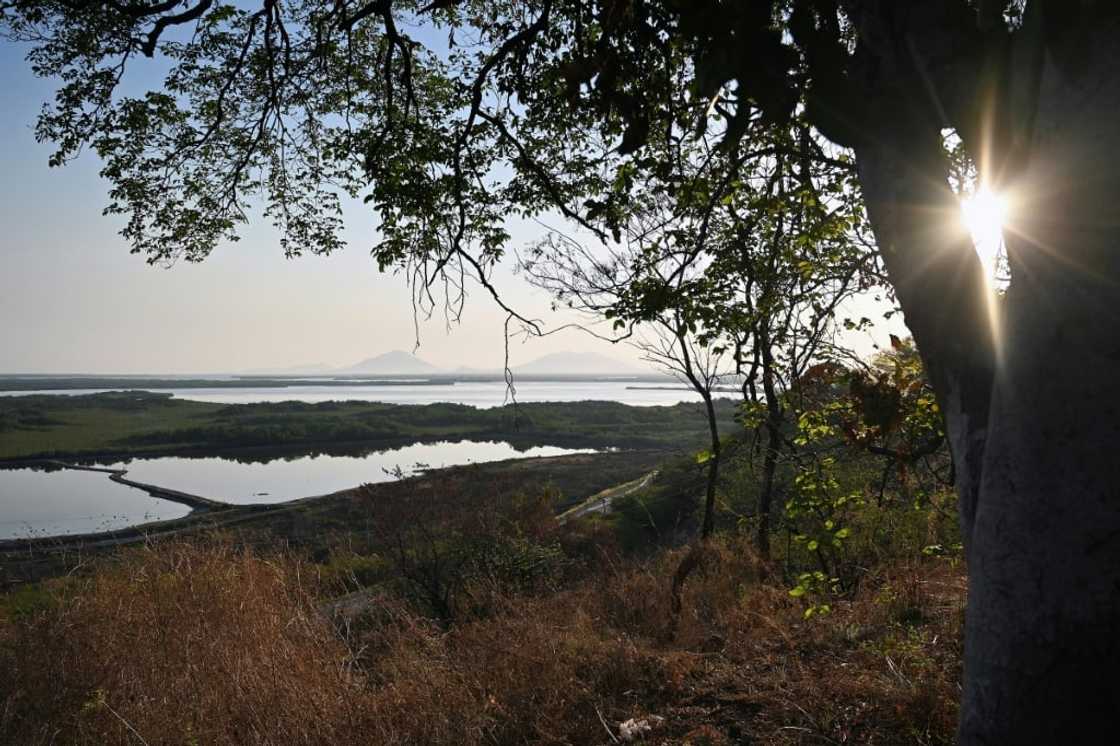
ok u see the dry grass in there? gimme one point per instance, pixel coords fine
(210, 645)
(185, 644)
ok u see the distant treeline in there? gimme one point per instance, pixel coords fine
(147, 383)
(46, 383)
(138, 422)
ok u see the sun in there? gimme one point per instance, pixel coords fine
(985, 214)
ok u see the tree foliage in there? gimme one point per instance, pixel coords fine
(445, 118)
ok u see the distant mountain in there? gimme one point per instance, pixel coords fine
(397, 362)
(577, 363)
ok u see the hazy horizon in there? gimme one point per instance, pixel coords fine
(305, 369)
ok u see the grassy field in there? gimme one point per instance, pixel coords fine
(140, 422)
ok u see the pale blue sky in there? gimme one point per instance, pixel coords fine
(72, 298)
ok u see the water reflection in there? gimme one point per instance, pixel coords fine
(39, 502)
(52, 501)
(270, 478)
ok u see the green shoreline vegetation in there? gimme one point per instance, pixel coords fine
(146, 423)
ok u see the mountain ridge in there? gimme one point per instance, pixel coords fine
(400, 362)
(389, 363)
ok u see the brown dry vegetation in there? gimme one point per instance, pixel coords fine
(204, 643)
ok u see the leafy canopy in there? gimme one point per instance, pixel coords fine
(446, 117)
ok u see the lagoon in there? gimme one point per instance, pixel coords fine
(35, 502)
(289, 478)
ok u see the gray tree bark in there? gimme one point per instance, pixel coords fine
(1030, 387)
(1043, 623)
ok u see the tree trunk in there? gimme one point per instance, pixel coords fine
(1042, 644)
(766, 496)
(713, 468)
(704, 388)
(695, 556)
(1031, 398)
(1043, 626)
(773, 444)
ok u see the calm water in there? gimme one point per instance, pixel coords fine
(46, 503)
(40, 503)
(475, 393)
(305, 476)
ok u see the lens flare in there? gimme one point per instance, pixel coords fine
(984, 214)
